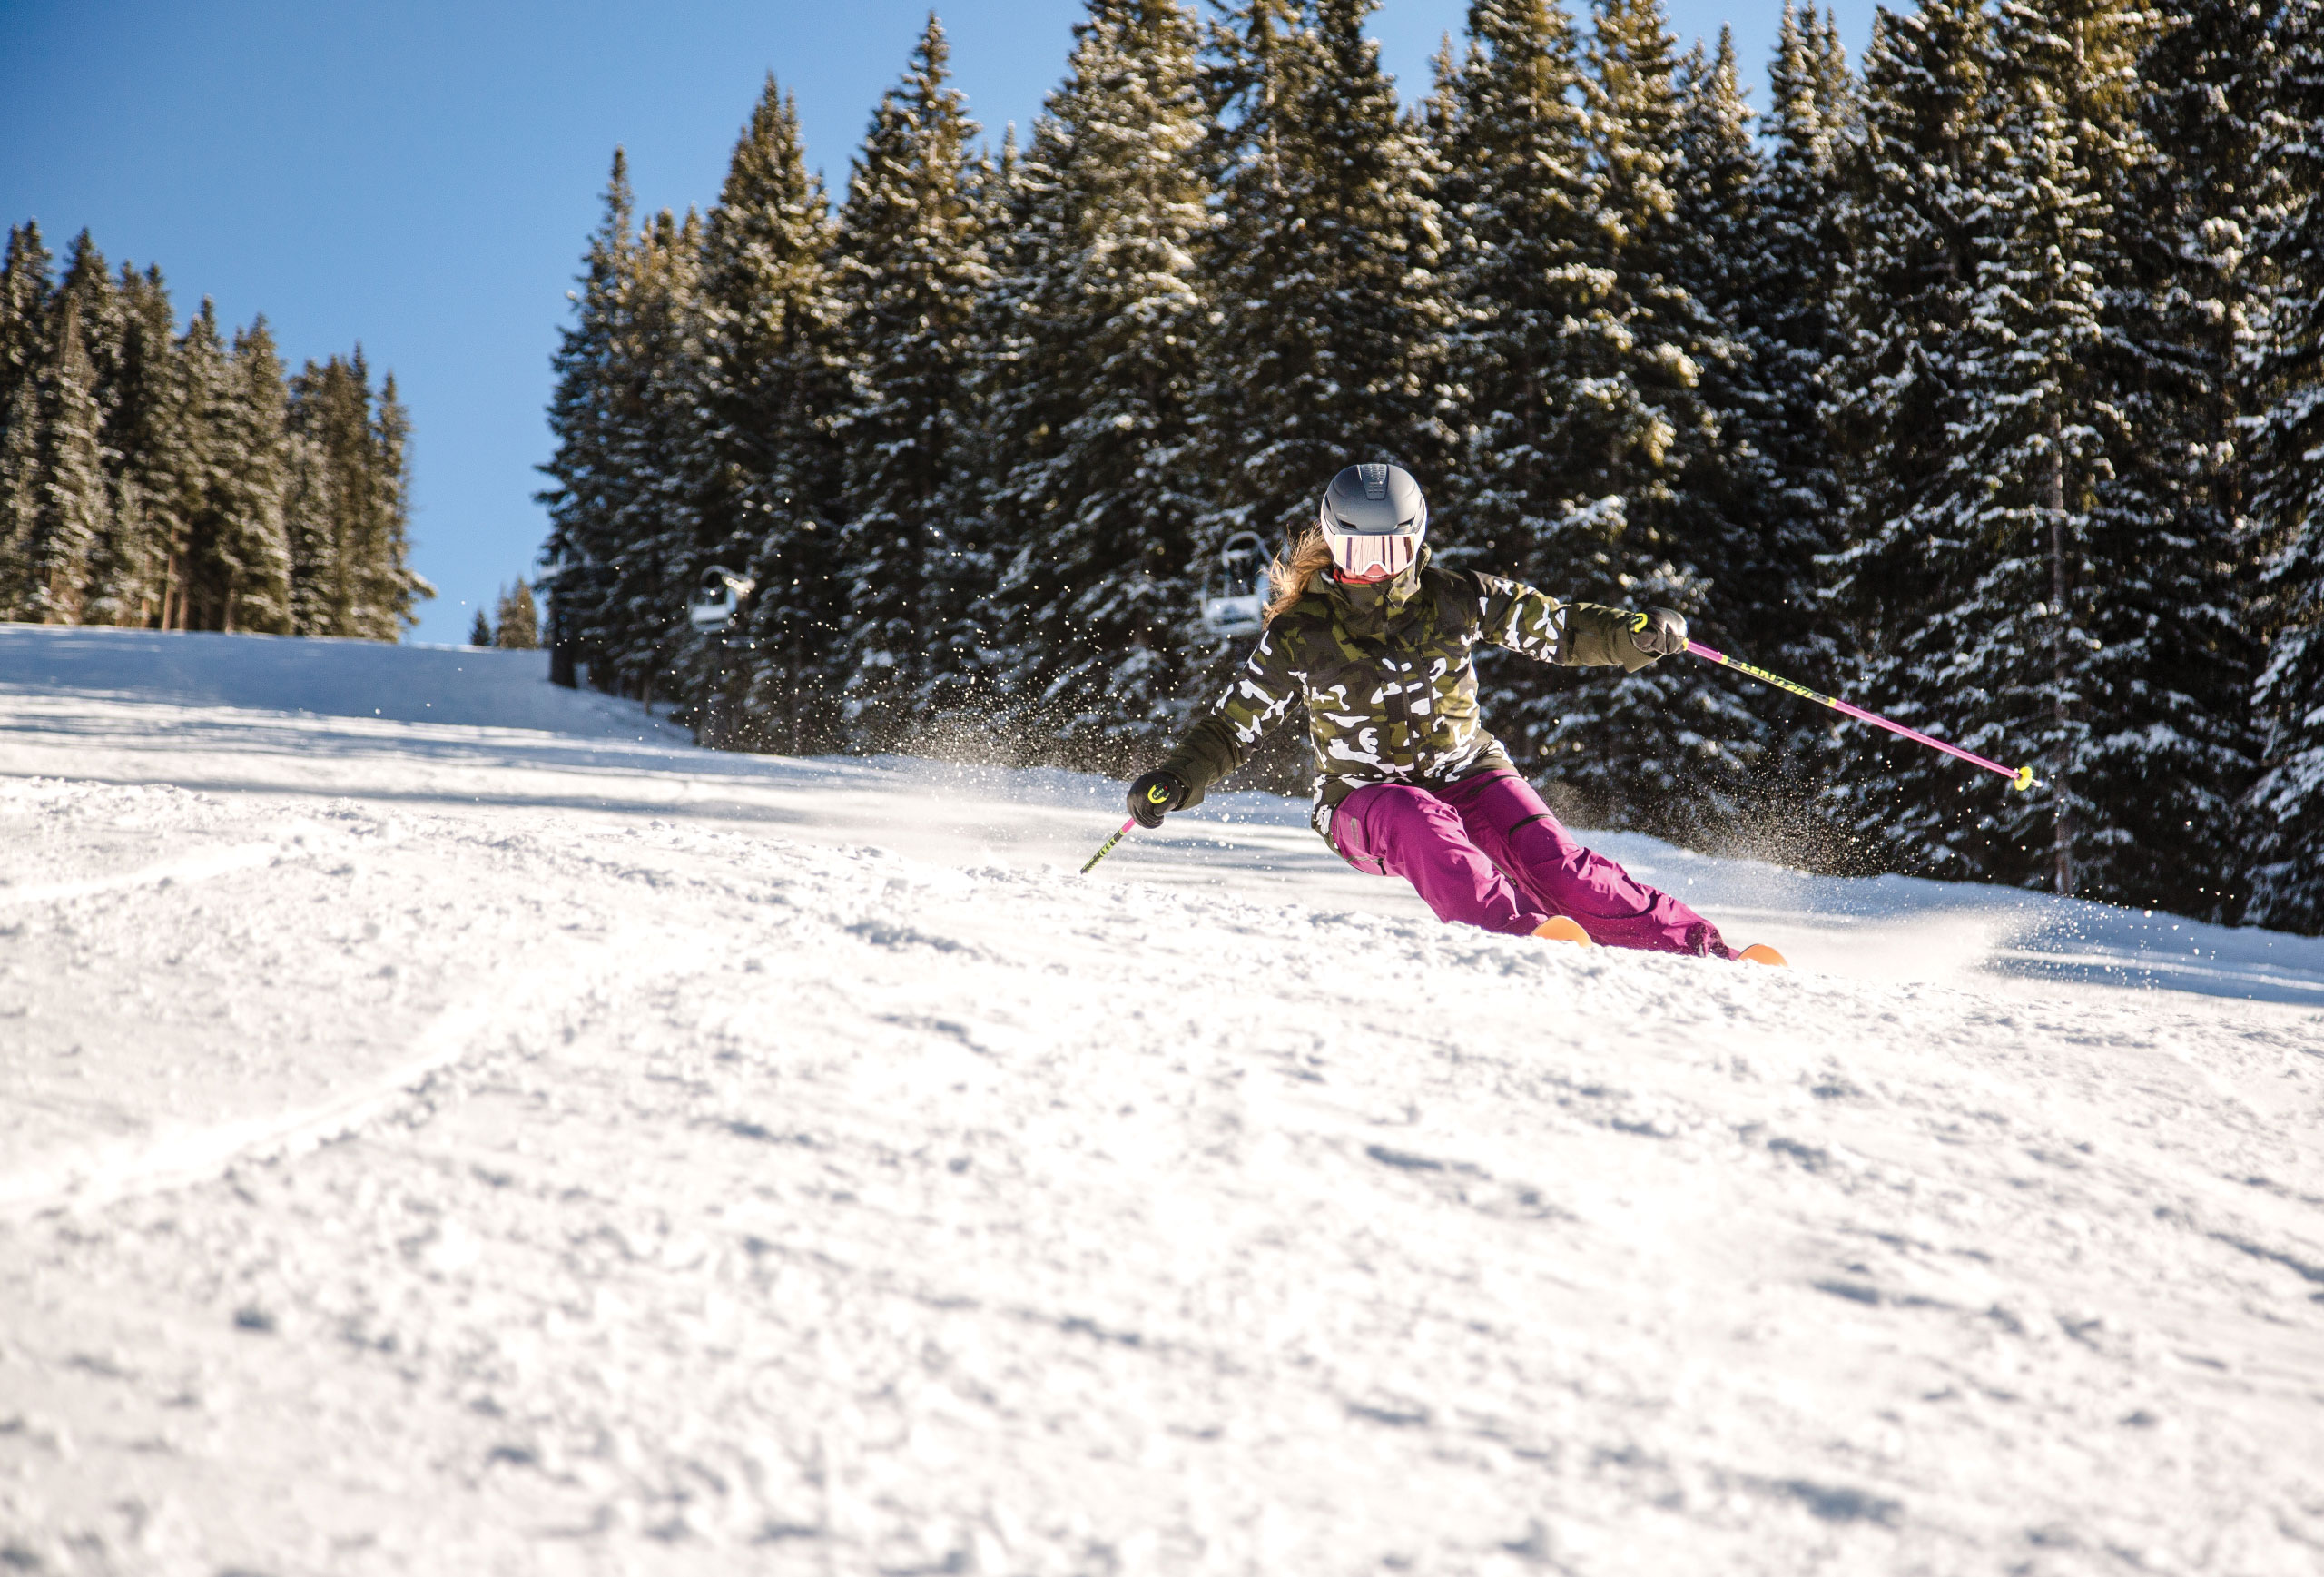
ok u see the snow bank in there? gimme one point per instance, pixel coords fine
(461, 685)
(457, 1145)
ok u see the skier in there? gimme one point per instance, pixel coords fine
(1378, 642)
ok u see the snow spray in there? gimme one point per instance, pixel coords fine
(1120, 833)
(2019, 777)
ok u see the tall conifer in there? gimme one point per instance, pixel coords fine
(585, 410)
(242, 569)
(910, 265)
(2170, 131)
(329, 424)
(1656, 748)
(20, 489)
(25, 288)
(74, 513)
(1789, 306)
(116, 320)
(130, 579)
(654, 524)
(1088, 415)
(393, 588)
(2284, 369)
(1913, 218)
(345, 510)
(770, 382)
(200, 428)
(1737, 525)
(1524, 272)
(26, 284)
(519, 619)
(1326, 309)
(2011, 649)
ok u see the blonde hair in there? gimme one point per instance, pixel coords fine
(1288, 582)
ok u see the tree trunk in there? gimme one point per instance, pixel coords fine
(2054, 501)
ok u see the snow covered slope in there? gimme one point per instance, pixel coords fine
(449, 1124)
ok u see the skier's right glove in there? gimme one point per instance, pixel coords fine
(1156, 795)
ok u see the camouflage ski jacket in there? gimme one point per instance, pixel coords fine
(1389, 678)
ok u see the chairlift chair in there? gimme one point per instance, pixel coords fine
(1234, 594)
(713, 607)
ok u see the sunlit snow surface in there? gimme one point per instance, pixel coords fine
(451, 1125)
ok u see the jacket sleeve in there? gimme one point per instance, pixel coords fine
(1256, 702)
(1578, 634)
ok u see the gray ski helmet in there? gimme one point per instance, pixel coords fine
(1373, 518)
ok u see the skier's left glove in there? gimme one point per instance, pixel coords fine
(1156, 795)
(1658, 632)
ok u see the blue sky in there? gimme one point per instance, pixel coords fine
(420, 176)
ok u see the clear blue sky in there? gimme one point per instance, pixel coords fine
(420, 176)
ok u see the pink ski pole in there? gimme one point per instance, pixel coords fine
(1118, 837)
(2019, 777)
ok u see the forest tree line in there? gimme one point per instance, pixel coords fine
(1977, 380)
(176, 479)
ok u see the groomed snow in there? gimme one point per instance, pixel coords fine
(449, 1124)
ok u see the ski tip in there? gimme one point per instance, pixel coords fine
(2024, 779)
(1760, 952)
(1558, 928)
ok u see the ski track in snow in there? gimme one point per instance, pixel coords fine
(450, 1125)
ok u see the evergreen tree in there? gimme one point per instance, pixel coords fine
(910, 265)
(520, 621)
(328, 463)
(345, 511)
(74, 511)
(655, 526)
(26, 284)
(771, 381)
(120, 586)
(2284, 369)
(1912, 216)
(481, 632)
(587, 411)
(20, 489)
(1327, 314)
(2172, 748)
(1658, 748)
(242, 572)
(129, 580)
(195, 463)
(2058, 571)
(962, 669)
(1524, 270)
(1326, 309)
(1787, 306)
(1088, 412)
(1738, 526)
(392, 587)
(2015, 646)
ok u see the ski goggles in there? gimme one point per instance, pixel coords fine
(1361, 557)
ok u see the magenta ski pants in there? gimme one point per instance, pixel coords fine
(1486, 851)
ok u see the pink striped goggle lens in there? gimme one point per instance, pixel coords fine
(1366, 558)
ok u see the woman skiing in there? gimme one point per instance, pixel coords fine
(1379, 642)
